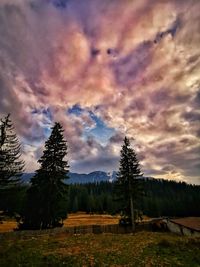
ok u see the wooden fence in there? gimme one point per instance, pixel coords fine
(85, 229)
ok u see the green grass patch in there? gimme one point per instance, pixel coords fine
(174, 252)
(139, 249)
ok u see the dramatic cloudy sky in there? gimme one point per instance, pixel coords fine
(105, 69)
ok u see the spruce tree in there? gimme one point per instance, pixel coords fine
(127, 183)
(11, 167)
(47, 197)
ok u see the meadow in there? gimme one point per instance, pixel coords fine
(62, 249)
(139, 249)
(74, 219)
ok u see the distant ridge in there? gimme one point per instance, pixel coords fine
(80, 178)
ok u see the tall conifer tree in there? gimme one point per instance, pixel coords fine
(47, 196)
(11, 167)
(127, 183)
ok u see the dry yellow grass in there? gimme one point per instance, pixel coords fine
(81, 218)
(7, 226)
(75, 219)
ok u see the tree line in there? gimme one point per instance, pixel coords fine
(48, 199)
(160, 198)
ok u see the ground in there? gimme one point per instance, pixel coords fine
(140, 249)
(82, 218)
(75, 219)
(113, 250)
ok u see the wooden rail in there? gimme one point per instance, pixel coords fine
(85, 229)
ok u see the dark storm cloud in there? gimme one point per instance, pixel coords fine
(98, 157)
(172, 30)
(59, 3)
(128, 68)
(192, 116)
(196, 101)
(161, 96)
(137, 104)
(102, 163)
(117, 138)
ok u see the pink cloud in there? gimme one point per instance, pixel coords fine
(143, 81)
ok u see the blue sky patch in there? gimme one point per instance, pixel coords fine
(101, 132)
(76, 110)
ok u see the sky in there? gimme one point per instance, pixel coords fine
(105, 69)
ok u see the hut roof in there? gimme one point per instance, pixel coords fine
(189, 222)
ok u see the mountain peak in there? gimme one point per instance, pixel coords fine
(79, 178)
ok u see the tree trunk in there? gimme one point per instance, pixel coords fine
(132, 214)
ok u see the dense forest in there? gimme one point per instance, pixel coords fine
(160, 198)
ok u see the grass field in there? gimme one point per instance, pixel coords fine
(7, 226)
(82, 218)
(139, 249)
(76, 219)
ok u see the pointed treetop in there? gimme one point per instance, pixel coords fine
(3, 129)
(11, 167)
(126, 141)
